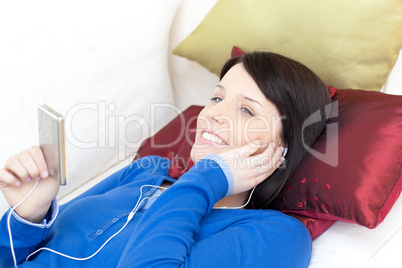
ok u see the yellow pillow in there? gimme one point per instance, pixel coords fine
(348, 43)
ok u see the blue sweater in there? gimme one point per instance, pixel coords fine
(180, 228)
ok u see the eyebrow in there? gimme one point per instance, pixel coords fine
(250, 99)
(245, 97)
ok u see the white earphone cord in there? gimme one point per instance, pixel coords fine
(130, 216)
(8, 223)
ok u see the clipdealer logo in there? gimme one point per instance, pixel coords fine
(109, 129)
(331, 154)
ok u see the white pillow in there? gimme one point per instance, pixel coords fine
(100, 63)
(192, 83)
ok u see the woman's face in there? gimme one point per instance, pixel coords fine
(238, 114)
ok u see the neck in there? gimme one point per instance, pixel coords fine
(237, 200)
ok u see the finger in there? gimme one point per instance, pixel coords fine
(267, 167)
(28, 163)
(39, 159)
(265, 156)
(8, 179)
(277, 158)
(14, 167)
(280, 161)
(280, 155)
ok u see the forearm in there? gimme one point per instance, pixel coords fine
(166, 232)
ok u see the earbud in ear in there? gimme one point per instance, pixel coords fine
(285, 151)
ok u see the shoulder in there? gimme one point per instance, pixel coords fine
(282, 219)
(272, 222)
(281, 239)
(290, 227)
(275, 219)
(286, 235)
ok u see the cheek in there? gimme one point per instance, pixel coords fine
(260, 129)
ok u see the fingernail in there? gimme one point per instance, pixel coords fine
(18, 183)
(273, 144)
(282, 149)
(37, 178)
(28, 180)
(282, 159)
(44, 174)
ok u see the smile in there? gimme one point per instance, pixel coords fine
(213, 138)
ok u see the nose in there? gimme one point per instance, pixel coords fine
(218, 113)
(218, 119)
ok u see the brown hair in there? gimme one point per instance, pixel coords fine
(297, 92)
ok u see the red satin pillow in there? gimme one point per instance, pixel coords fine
(174, 141)
(361, 182)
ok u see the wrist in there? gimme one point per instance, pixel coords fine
(36, 215)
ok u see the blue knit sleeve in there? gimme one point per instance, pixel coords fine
(26, 235)
(226, 170)
(173, 220)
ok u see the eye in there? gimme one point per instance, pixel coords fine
(247, 111)
(216, 99)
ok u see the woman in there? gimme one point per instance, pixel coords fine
(258, 109)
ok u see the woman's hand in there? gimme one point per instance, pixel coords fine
(17, 178)
(249, 169)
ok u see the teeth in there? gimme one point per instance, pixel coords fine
(212, 137)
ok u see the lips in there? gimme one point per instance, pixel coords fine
(210, 136)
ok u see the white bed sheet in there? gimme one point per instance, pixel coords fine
(349, 245)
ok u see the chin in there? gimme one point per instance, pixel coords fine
(197, 154)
